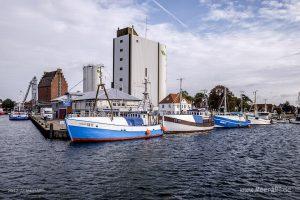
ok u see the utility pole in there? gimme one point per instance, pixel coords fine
(180, 93)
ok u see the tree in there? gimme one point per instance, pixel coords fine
(186, 95)
(278, 110)
(8, 104)
(216, 96)
(287, 108)
(246, 103)
(199, 100)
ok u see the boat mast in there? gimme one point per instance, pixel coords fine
(242, 94)
(255, 105)
(225, 100)
(266, 108)
(102, 86)
(180, 93)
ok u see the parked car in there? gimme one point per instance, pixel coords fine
(47, 113)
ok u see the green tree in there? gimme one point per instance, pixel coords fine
(186, 95)
(8, 104)
(288, 108)
(246, 103)
(199, 99)
(216, 96)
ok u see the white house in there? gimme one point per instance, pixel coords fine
(171, 104)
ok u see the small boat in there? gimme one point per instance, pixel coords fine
(261, 118)
(19, 113)
(186, 123)
(297, 119)
(230, 120)
(113, 128)
(16, 115)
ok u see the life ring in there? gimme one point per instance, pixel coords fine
(148, 132)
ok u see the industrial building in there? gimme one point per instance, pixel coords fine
(52, 85)
(134, 58)
(121, 102)
(91, 79)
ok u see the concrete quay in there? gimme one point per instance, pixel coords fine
(50, 129)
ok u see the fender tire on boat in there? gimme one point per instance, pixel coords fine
(148, 132)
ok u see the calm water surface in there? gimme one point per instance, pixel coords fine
(259, 162)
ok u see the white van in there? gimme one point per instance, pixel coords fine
(47, 113)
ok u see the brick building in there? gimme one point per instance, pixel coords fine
(52, 85)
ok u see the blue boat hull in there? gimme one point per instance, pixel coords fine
(223, 122)
(86, 134)
(18, 118)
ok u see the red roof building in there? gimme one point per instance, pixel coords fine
(171, 104)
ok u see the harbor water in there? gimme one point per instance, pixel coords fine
(258, 162)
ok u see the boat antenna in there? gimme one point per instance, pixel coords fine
(180, 93)
(146, 99)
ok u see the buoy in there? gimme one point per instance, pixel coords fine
(148, 132)
(164, 128)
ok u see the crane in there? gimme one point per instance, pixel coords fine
(33, 86)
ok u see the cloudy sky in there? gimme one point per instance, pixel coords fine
(246, 45)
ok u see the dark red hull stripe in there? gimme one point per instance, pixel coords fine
(113, 139)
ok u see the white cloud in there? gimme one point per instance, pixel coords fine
(41, 35)
(282, 10)
(229, 14)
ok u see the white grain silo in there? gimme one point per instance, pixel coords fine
(91, 77)
(133, 58)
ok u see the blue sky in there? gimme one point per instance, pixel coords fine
(246, 45)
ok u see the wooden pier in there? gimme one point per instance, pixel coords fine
(50, 129)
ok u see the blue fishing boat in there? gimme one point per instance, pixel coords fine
(230, 120)
(113, 128)
(103, 129)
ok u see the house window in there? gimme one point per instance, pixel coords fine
(163, 106)
(121, 50)
(121, 59)
(120, 89)
(114, 104)
(137, 41)
(121, 79)
(169, 105)
(121, 41)
(121, 68)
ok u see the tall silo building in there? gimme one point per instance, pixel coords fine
(91, 77)
(134, 58)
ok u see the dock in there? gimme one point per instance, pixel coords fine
(50, 129)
